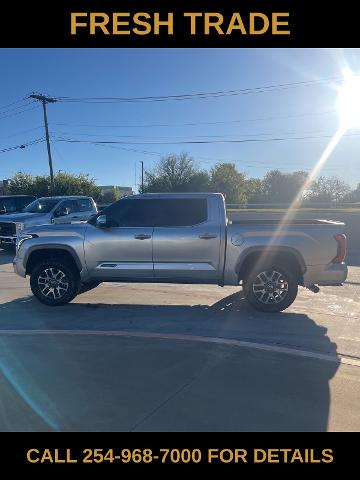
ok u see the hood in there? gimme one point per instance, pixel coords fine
(31, 218)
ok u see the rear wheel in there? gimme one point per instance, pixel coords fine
(270, 288)
(54, 282)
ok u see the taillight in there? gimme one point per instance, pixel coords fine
(341, 249)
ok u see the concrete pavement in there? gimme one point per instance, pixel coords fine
(166, 357)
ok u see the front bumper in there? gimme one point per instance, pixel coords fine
(331, 274)
(18, 266)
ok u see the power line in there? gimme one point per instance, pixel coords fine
(16, 108)
(13, 103)
(19, 113)
(23, 145)
(198, 95)
(22, 132)
(246, 140)
(263, 134)
(250, 164)
(190, 124)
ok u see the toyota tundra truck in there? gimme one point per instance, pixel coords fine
(182, 238)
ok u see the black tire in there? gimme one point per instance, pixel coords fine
(86, 287)
(68, 282)
(278, 296)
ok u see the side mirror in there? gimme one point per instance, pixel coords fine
(2, 210)
(62, 212)
(101, 221)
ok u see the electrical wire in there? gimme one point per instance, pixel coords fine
(199, 95)
(190, 124)
(190, 142)
(13, 103)
(22, 132)
(207, 160)
(18, 113)
(256, 135)
(23, 145)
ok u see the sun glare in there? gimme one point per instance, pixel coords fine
(348, 104)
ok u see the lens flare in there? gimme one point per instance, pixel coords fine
(348, 104)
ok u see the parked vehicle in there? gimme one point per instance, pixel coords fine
(182, 238)
(44, 211)
(14, 203)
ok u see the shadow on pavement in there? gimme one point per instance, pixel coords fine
(353, 260)
(108, 382)
(6, 256)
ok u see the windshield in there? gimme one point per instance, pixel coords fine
(43, 205)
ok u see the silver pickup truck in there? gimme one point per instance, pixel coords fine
(182, 238)
(45, 210)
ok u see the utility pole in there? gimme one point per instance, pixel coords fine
(142, 176)
(44, 100)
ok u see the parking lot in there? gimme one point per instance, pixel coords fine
(169, 357)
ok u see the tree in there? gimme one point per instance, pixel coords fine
(176, 173)
(281, 187)
(328, 189)
(254, 190)
(109, 196)
(21, 184)
(226, 179)
(65, 184)
(354, 195)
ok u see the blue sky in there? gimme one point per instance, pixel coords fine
(302, 111)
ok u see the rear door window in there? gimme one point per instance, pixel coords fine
(71, 205)
(185, 212)
(85, 205)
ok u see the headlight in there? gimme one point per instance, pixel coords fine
(19, 227)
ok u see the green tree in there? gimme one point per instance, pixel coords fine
(108, 197)
(254, 190)
(281, 187)
(328, 189)
(21, 184)
(353, 196)
(176, 173)
(65, 184)
(226, 179)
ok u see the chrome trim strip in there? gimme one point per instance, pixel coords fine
(125, 266)
(183, 266)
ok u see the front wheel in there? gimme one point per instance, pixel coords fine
(270, 288)
(54, 282)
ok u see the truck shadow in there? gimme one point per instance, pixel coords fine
(6, 256)
(228, 387)
(353, 260)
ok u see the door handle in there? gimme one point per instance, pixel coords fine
(207, 236)
(142, 236)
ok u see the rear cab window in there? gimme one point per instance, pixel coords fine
(85, 205)
(8, 205)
